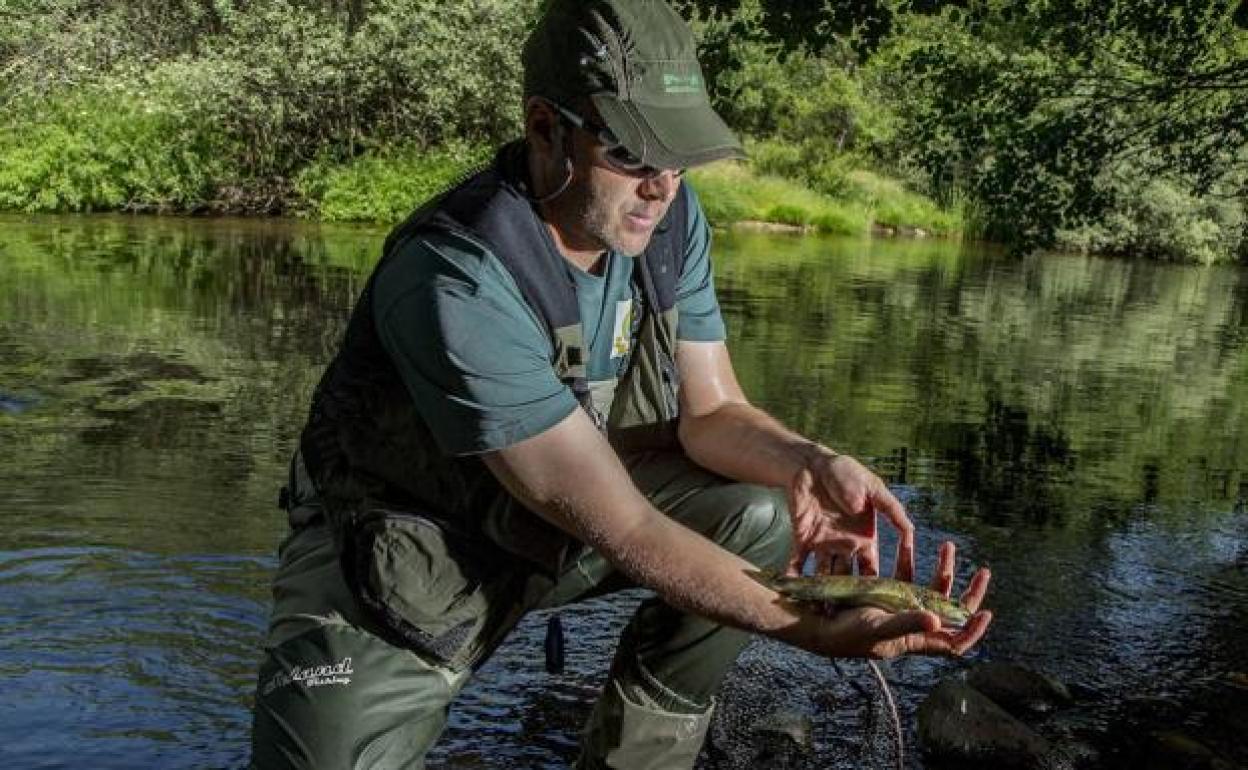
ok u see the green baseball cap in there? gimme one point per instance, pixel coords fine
(636, 60)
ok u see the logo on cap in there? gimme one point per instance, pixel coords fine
(682, 84)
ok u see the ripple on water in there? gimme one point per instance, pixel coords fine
(127, 656)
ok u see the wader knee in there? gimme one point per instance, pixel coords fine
(761, 531)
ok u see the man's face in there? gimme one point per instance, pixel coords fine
(609, 208)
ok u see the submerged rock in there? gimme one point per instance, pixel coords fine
(1017, 689)
(793, 726)
(959, 723)
(1176, 750)
(782, 738)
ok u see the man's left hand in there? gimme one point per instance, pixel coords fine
(833, 502)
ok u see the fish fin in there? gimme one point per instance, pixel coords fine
(763, 575)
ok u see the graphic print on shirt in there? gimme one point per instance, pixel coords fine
(622, 329)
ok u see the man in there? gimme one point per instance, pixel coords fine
(533, 404)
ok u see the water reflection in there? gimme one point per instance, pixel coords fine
(1076, 423)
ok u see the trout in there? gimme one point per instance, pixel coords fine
(853, 591)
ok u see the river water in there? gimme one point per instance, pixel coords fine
(1078, 424)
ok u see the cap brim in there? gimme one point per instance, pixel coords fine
(669, 137)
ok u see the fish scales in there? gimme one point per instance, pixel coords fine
(857, 591)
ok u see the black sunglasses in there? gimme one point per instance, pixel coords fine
(618, 156)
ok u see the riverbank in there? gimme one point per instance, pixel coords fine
(385, 188)
(83, 158)
(858, 120)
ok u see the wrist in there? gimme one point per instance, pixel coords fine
(812, 452)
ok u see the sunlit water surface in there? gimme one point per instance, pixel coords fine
(1078, 424)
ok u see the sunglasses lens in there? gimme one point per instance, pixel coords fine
(622, 159)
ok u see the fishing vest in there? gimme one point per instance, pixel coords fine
(365, 445)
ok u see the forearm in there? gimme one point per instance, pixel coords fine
(742, 442)
(571, 477)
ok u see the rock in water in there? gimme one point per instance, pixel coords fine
(957, 722)
(1176, 750)
(1018, 690)
(782, 738)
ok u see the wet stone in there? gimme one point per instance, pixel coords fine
(960, 724)
(1017, 689)
(783, 738)
(1176, 750)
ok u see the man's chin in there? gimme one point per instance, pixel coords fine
(632, 244)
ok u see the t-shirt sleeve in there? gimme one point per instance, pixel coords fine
(699, 318)
(474, 357)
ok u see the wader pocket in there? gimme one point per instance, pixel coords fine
(424, 587)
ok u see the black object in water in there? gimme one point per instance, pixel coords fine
(554, 645)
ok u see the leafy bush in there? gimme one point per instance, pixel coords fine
(1161, 219)
(788, 214)
(768, 90)
(281, 83)
(385, 187)
(108, 147)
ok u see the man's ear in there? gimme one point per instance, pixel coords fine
(543, 128)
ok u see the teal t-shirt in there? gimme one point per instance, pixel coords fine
(476, 358)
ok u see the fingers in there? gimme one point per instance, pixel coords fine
(974, 631)
(935, 642)
(942, 578)
(975, 591)
(796, 561)
(893, 510)
(869, 559)
(801, 490)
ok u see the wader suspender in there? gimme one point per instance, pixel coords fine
(493, 209)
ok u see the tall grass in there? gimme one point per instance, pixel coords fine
(385, 186)
(734, 193)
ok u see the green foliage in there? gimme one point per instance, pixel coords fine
(814, 116)
(897, 207)
(385, 187)
(1161, 219)
(795, 94)
(788, 214)
(108, 147)
(280, 83)
(425, 72)
(1028, 107)
(1011, 119)
(839, 177)
(732, 193)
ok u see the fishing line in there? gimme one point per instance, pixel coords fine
(892, 710)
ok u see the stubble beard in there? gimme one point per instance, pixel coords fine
(605, 224)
